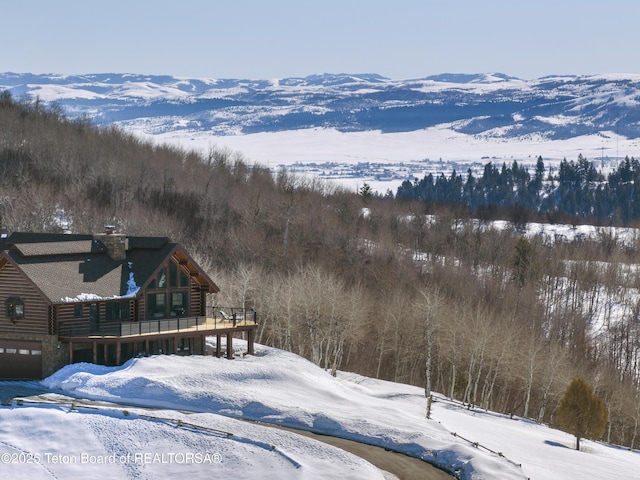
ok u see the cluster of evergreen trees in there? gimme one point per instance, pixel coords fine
(578, 189)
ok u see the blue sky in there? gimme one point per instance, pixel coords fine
(284, 38)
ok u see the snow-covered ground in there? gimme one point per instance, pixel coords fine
(326, 153)
(196, 399)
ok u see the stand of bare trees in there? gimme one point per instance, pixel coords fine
(410, 292)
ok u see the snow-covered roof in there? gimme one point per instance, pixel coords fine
(79, 268)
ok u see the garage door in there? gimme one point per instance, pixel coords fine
(20, 359)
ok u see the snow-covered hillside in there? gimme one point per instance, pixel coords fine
(280, 388)
(385, 160)
(487, 105)
(352, 129)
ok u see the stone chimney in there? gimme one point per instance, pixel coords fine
(116, 243)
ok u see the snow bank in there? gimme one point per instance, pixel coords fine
(37, 442)
(281, 388)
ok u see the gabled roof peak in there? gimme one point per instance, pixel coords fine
(64, 266)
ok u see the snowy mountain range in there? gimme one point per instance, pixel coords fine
(350, 129)
(486, 105)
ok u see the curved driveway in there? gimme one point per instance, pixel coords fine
(400, 465)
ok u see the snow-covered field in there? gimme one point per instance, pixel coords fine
(194, 400)
(326, 153)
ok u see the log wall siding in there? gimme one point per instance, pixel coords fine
(142, 306)
(66, 314)
(195, 303)
(36, 308)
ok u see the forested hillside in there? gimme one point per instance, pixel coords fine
(404, 290)
(576, 190)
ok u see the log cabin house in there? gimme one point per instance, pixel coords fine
(104, 299)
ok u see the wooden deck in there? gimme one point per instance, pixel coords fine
(166, 326)
(163, 336)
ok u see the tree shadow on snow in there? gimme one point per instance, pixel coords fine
(555, 444)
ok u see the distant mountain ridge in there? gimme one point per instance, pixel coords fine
(485, 105)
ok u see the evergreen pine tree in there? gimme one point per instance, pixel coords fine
(523, 262)
(366, 192)
(581, 412)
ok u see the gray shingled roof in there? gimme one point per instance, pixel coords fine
(57, 248)
(78, 268)
(64, 278)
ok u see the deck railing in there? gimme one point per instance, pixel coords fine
(234, 314)
(220, 318)
(146, 327)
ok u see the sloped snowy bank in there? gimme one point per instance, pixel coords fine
(44, 442)
(281, 388)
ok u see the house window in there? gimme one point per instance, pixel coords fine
(167, 292)
(178, 304)
(184, 344)
(157, 305)
(173, 275)
(117, 310)
(78, 310)
(15, 308)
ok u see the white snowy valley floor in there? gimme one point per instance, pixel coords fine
(198, 401)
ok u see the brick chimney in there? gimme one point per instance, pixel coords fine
(115, 243)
